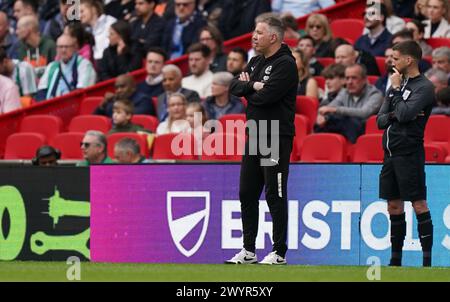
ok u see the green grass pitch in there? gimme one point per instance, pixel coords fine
(56, 271)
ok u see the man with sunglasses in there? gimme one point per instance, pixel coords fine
(94, 149)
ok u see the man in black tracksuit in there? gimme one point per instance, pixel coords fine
(269, 84)
(404, 115)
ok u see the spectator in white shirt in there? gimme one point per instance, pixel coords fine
(200, 79)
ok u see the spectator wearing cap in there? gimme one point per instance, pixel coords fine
(46, 156)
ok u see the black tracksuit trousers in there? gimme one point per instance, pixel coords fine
(253, 179)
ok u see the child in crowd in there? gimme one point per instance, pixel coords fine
(122, 114)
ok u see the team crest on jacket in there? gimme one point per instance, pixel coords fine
(268, 69)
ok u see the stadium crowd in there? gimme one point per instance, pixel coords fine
(50, 48)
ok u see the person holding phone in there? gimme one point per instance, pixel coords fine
(403, 116)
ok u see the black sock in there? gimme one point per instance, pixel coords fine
(425, 229)
(398, 233)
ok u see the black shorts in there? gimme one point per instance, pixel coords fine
(403, 177)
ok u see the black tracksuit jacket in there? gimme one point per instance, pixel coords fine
(404, 115)
(276, 101)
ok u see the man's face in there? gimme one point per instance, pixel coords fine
(262, 37)
(344, 56)
(154, 64)
(306, 45)
(400, 62)
(65, 48)
(48, 161)
(4, 26)
(171, 81)
(184, 9)
(334, 84)
(235, 62)
(22, 30)
(372, 18)
(124, 88)
(198, 64)
(389, 58)
(91, 148)
(143, 8)
(441, 63)
(354, 81)
(123, 156)
(20, 10)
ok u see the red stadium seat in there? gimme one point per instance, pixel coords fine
(228, 123)
(47, 125)
(23, 145)
(320, 81)
(323, 148)
(434, 153)
(307, 106)
(140, 138)
(155, 103)
(291, 42)
(368, 149)
(89, 104)
(162, 147)
(438, 42)
(437, 131)
(148, 122)
(220, 143)
(324, 61)
(69, 144)
(347, 28)
(381, 64)
(371, 125)
(83, 123)
(372, 79)
(301, 124)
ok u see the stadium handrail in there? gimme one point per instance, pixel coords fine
(67, 106)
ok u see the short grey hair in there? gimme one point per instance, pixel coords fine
(443, 51)
(223, 78)
(130, 144)
(101, 138)
(172, 68)
(362, 67)
(438, 74)
(274, 22)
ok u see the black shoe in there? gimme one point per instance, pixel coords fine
(427, 261)
(395, 262)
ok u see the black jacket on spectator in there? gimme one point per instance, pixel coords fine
(366, 59)
(151, 32)
(112, 64)
(219, 63)
(116, 9)
(404, 8)
(150, 90)
(189, 35)
(238, 16)
(324, 50)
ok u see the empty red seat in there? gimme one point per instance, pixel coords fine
(162, 146)
(89, 104)
(69, 144)
(140, 138)
(301, 124)
(320, 81)
(323, 147)
(438, 42)
(307, 106)
(437, 131)
(23, 145)
(368, 149)
(148, 122)
(83, 123)
(381, 64)
(371, 125)
(324, 61)
(434, 153)
(347, 28)
(47, 125)
(223, 147)
(233, 123)
(291, 42)
(372, 79)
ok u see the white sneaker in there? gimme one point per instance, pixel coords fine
(273, 258)
(243, 257)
